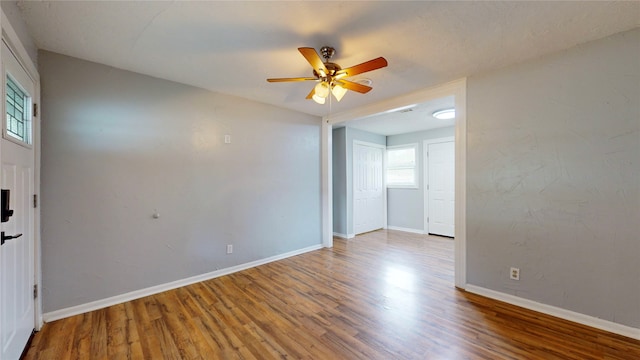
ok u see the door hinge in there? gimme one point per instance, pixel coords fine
(35, 109)
(427, 219)
(35, 291)
(35, 200)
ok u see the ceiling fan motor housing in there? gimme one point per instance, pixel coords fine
(332, 69)
(327, 52)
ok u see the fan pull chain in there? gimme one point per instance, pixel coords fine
(330, 102)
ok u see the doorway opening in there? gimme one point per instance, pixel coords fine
(455, 91)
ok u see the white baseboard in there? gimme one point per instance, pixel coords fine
(409, 230)
(579, 318)
(344, 236)
(118, 299)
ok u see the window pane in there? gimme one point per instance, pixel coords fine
(401, 176)
(401, 157)
(18, 125)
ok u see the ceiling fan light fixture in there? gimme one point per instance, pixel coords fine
(329, 76)
(322, 90)
(338, 91)
(445, 114)
(318, 99)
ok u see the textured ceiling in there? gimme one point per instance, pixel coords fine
(401, 120)
(232, 47)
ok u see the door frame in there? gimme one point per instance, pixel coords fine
(458, 88)
(353, 181)
(10, 37)
(425, 174)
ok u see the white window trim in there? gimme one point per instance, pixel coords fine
(415, 167)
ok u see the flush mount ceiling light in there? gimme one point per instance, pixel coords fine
(445, 114)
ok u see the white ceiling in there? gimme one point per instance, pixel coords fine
(232, 46)
(402, 121)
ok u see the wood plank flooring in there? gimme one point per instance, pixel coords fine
(382, 295)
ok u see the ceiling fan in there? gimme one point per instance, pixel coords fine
(330, 76)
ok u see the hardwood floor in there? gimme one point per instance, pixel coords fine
(382, 295)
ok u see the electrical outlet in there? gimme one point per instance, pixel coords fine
(229, 249)
(514, 274)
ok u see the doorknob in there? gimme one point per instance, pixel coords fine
(4, 238)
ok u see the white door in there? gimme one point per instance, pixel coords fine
(17, 304)
(441, 188)
(368, 190)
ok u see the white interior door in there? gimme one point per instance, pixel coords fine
(368, 189)
(17, 262)
(441, 188)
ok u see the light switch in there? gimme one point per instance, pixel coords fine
(227, 139)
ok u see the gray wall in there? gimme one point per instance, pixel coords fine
(118, 146)
(554, 179)
(405, 207)
(351, 136)
(339, 154)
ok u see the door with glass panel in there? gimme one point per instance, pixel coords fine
(17, 259)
